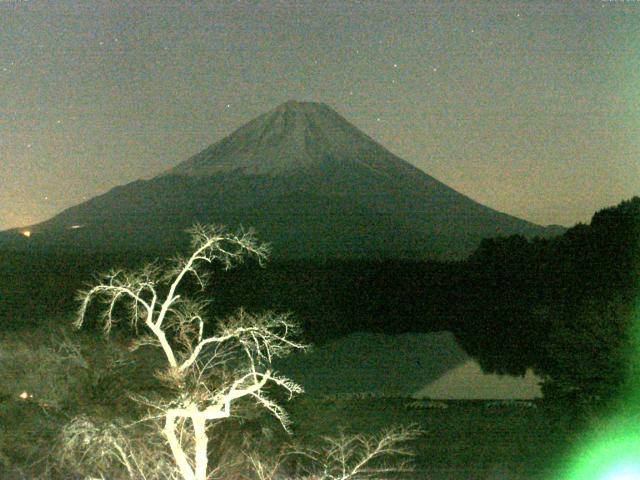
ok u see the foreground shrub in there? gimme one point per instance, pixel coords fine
(343, 457)
(113, 450)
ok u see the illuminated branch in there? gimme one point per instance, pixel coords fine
(351, 457)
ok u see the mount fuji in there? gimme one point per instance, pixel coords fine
(310, 183)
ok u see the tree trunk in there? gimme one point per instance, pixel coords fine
(201, 439)
(176, 448)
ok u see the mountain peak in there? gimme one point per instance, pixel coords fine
(298, 106)
(293, 137)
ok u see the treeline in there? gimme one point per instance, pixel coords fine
(331, 298)
(564, 306)
(335, 298)
(39, 284)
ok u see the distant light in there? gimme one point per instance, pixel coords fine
(26, 233)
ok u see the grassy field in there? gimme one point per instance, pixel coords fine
(466, 440)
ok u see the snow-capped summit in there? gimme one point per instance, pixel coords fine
(292, 138)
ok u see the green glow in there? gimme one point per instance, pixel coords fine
(613, 453)
(624, 472)
(610, 450)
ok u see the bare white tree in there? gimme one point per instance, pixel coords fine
(345, 457)
(360, 457)
(209, 374)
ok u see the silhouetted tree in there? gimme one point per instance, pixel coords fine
(563, 306)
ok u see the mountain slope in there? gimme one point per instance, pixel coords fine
(310, 182)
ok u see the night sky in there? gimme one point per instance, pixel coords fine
(531, 107)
